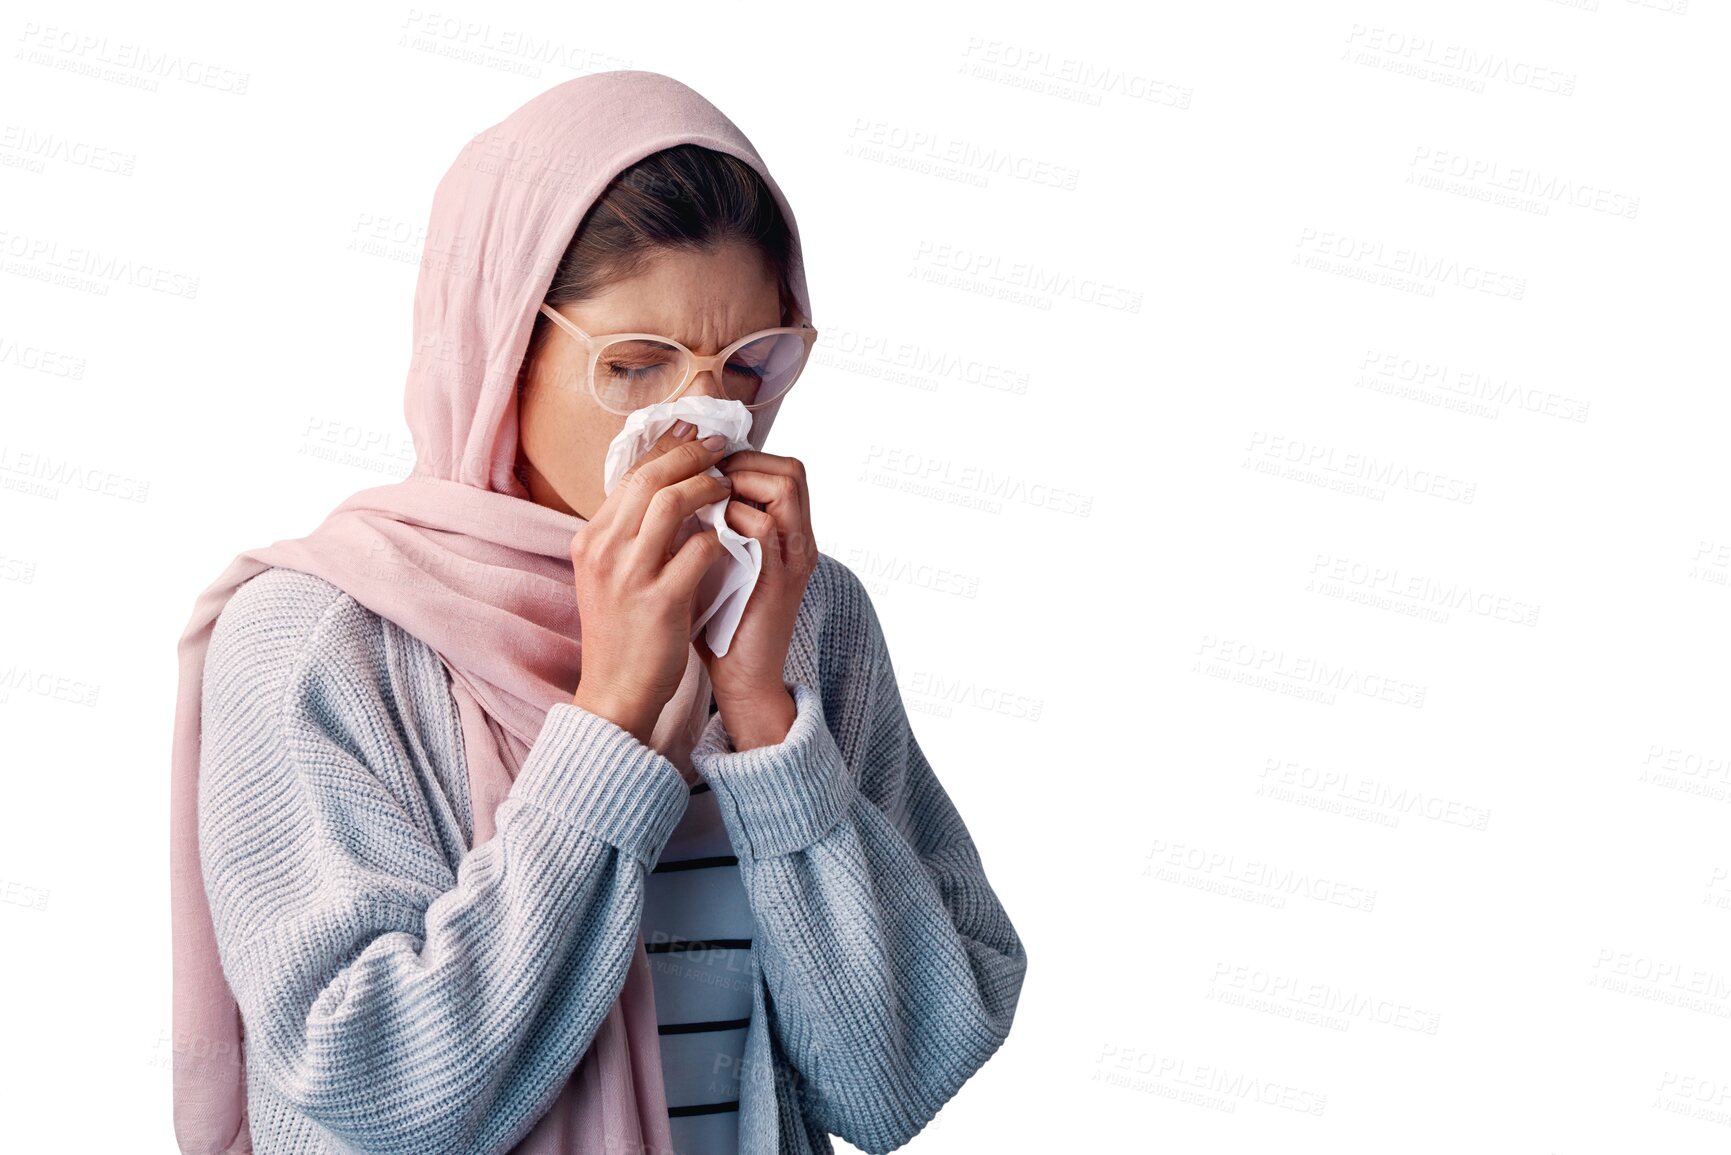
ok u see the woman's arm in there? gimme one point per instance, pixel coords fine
(401, 1005)
(892, 969)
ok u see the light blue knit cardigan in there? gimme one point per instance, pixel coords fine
(403, 994)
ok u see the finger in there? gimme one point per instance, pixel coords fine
(779, 493)
(676, 436)
(690, 562)
(780, 496)
(763, 462)
(649, 475)
(787, 500)
(671, 508)
(672, 437)
(755, 523)
(788, 551)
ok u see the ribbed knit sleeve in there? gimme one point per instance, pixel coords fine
(892, 968)
(401, 1003)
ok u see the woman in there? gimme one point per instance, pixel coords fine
(431, 760)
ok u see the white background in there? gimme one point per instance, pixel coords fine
(1284, 443)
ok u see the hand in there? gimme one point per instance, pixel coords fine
(749, 690)
(635, 593)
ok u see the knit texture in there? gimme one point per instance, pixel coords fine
(401, 992)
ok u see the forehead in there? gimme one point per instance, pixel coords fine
(700, 299)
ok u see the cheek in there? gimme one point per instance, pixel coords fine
(564, 435)
(547, 416)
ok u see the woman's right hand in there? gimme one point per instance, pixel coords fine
(635, 593)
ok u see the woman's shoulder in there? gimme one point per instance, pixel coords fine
(300, 672)
(838, 626)
(837, 585)
(324, 665)
(279, 594)
(285, 631)
(278, 614)
(846, 603)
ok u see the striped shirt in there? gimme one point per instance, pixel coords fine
(697, 932)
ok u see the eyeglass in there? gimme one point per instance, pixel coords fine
(628, 371)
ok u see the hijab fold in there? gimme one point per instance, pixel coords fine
(461, 557)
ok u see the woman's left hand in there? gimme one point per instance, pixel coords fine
(749, 691)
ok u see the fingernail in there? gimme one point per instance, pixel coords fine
(714, 441)
(681, 430)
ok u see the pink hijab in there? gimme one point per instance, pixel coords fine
(460, 557)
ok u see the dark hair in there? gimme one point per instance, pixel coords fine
(682, 198)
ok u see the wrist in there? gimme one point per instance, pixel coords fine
(633, 721)
(762, 719)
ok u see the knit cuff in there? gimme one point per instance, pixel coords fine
(598, 776)
(782, 798)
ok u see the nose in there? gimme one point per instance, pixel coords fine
(706, 384)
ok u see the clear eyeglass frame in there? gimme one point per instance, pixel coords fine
(695, 363)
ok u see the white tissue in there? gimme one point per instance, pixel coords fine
(727, 585)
